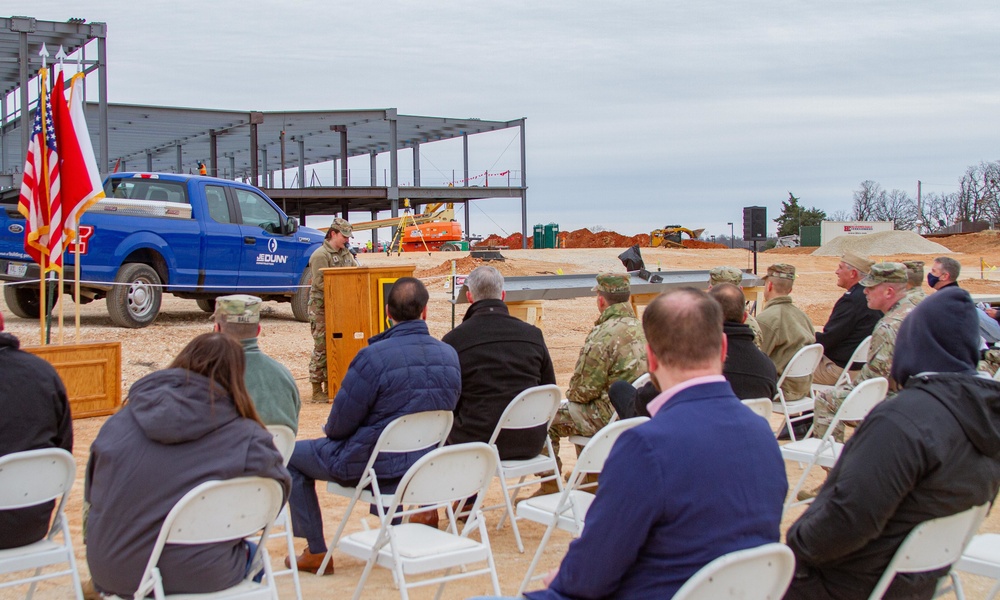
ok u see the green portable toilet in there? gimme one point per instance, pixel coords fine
(809, 235)
(538, 238)
(551, 236)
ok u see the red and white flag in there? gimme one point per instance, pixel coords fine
(81, 180)
(40, 185)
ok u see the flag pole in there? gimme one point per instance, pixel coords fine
(43, 256)
(76, 283)
(61, 57)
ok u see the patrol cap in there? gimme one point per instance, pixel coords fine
(886, 272)
(725, 275)
(238, 308)
(342, 226)
(612, 283)
(781, 271)
(857, 261)
(915, 266)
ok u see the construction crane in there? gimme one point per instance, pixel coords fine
(433, 229)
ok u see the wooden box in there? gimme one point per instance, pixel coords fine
(355, 305)
(91, 372)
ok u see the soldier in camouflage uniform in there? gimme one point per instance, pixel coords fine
(914, 281)
(735, 276)
(333, 253)
(785, 328)
(885, 287)
(615, 350)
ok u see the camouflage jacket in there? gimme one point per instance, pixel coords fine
(883, 345)
(914, 296)
(758, 337)
(615, 350)
(325, 257)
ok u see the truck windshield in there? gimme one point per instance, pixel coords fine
(147, 189)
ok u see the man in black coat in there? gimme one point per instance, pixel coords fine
(501, 356)
(34, 414)
(749, 371)
(933, 450)
(850, 322)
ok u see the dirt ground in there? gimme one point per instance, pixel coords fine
(565, 324)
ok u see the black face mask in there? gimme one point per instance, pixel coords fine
(932, 279)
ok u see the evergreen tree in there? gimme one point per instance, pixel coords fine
(793, 216)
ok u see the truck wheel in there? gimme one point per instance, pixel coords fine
(206, 304)
(23, 300)
(300, 299)
(134, 301)
(449, 248)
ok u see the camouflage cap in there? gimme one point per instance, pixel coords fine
(612, 283)
(914, 266)
(781, 271)
(238, 308)
(886, 272)
(725, 275)
(861, 263)
(342, 226)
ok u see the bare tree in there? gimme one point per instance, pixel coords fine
(979, 189)
(840, 215)
(865, 200)
(939, 211)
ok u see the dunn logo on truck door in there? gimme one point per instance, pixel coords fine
(272, 258)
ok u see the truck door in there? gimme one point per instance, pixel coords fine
(270, 259)
(222, 242)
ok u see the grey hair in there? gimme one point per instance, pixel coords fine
(485, 283)
(950, 266)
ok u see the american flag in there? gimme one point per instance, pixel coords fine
(39, 198)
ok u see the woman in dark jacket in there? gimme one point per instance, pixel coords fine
(190, 423)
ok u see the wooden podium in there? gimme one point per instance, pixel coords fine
(91, 373)
(355, 308)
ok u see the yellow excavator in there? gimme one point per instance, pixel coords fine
(670, 236)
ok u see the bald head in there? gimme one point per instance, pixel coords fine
(683, 328)
(731, 300)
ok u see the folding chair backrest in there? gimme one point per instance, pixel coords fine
(641, 380)
(803, 362)
(448, 474)
(761, 573)
(416, 431)
(862, 400)
(217, 511)
(284, 440)
(932, 545)
(533, 407)
(35, 476)
(593, 455)
(761, 406)
(860, 355)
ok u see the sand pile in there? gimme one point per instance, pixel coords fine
(972, 243)
(881, 243)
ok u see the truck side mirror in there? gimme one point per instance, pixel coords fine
(291, 225)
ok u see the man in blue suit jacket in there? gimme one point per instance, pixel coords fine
(704, 477)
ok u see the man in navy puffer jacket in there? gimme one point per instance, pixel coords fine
(402, 371)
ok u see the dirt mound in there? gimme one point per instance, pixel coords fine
(882, 243)
(464, 266)
(972, 243)
(511, 241)
(702, 245)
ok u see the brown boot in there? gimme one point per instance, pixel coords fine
(547, 488)
(307, 561)
(428, 517)
(318, 394)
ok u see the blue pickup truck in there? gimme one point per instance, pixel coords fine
(192, 236)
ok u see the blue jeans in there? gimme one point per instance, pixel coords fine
(307, 518)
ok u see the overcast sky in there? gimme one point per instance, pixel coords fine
(639, 114)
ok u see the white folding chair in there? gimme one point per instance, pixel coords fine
(567, 510)
(981, 557)
(284, 441)
(931, 545)
(826, 450)
(533, 407)
(28, 479)
(802, 364)
(860, 355)
(219, 511)
(409, 433)
(581, 440)
(439, 478)
(761, 406)
(761, 573)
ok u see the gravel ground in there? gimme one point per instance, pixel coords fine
(565, 325)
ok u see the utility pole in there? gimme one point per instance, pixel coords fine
(920, 210)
